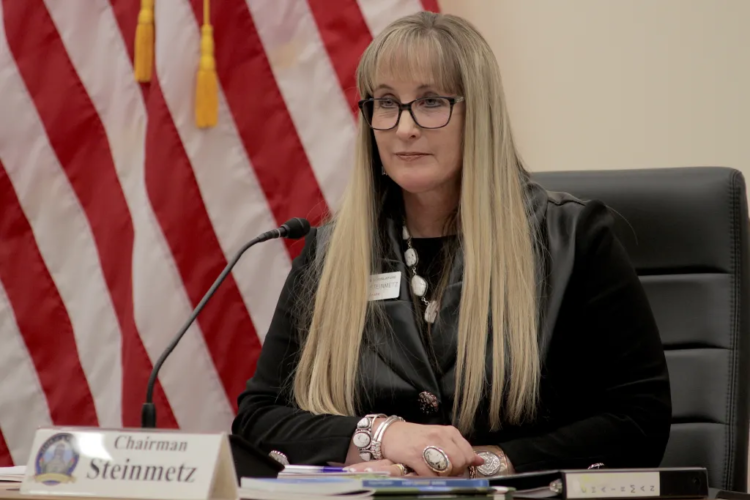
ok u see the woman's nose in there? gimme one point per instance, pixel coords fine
(406, 126)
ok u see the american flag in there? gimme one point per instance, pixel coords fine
(117, 212)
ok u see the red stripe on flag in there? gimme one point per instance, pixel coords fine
(80, 142)
(41, 315)
(126, 16)
(345, 35)
(262, 119)
(431, 5)
(5, 459)
(176, 199)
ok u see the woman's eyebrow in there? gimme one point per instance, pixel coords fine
(424, 86)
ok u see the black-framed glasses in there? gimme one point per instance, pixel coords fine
(384, 113)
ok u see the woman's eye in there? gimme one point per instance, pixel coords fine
(386, 103)
(432, 102)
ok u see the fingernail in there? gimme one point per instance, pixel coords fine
(368, 469)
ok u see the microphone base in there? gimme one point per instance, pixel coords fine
(148, 416)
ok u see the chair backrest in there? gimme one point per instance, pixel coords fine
(686, 231)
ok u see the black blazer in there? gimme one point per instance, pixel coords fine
(604, 390)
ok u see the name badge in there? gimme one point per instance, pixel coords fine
(385, 286)
(168, 465)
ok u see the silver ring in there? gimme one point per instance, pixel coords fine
(437, 460)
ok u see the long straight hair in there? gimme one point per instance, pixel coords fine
(498, 301)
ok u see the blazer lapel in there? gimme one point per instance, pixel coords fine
(444, 332)
(401, 347)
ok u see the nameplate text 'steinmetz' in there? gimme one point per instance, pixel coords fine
(130, 463)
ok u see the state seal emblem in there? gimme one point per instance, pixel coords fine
(56, 460)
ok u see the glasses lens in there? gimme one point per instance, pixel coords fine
(432, 112)
(381, 113)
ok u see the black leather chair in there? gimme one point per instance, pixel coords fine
(686, 231)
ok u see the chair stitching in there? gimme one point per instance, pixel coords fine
(731, 403)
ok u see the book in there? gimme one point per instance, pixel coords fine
(311, 471)
(687, 482)
(350, 475)
(417, 482)
(340, 487)
(317, 486)
(429, 486)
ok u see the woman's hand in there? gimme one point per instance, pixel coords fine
(404, 443)
(378, 466)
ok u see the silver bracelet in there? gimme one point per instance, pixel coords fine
(362, 438)
(495, 464)
(377, 444)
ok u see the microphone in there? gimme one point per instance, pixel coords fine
(293, 229)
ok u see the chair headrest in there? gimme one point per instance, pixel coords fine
(669, 219)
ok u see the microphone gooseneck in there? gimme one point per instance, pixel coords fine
(293, 229)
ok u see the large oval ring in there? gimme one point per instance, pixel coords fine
(437, 460)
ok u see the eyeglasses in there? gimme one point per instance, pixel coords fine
(427, 112)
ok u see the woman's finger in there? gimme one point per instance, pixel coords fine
(374, 466)
(458, 459)
(469, 455)
(463, 445)
(400, 470)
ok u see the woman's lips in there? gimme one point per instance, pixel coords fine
(411, 156)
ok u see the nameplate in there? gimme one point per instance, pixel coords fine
(130, 463)
(385, 286)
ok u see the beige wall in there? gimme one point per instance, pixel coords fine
(595, 84)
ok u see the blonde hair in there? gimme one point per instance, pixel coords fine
(497, 239)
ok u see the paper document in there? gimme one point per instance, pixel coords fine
(12, 474)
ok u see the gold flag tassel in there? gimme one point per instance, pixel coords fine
(144, 42)
(207, 85)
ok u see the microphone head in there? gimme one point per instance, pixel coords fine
(295, 228)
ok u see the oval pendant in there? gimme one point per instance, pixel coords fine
(418, 285)
(411, 257)
(430, 314)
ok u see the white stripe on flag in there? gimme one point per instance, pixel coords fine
(380, 13)
(311, 90)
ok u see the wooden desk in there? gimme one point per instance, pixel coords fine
(9, 491)
(6, 494)
(12, 493)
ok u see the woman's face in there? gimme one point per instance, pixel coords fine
(418, 159)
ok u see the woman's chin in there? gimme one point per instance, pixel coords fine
(416, 184)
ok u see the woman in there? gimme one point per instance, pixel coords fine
(454, 317)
